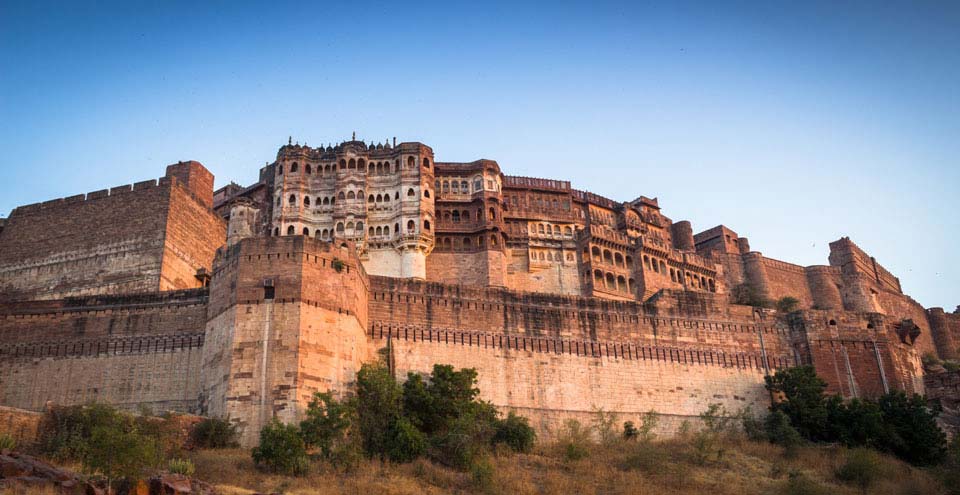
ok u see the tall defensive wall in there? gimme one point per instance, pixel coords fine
(145, 237)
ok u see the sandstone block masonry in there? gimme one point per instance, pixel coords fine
(245, 301)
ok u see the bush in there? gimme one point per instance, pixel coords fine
(181, 466)
(800, 484)
(912, 431)
(861, 469)
(214, 433)
(326, 423)
(778, 431)
(482, 474)
(788, 304)
(573, 441)
(378, 407)
(281, 450)
(7, 442)
(630, 432)
(603, 425)
(802, 401)
(753, 427)
(516, 432)
(406, 442)
(118, 451)
(709, 441)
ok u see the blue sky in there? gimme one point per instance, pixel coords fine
(792, 123)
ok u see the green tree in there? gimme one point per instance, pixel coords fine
(912, 431)
(378, 407)
(326, 423)
(281, 450)
(788, 304)
(801, 399)
(117, 451)
(515, 432)
(214, 433)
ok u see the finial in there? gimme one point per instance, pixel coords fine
(394, 141)
(290, 140)
(354, 137)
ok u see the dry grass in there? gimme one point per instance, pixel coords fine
(619, 468)
(668, 466)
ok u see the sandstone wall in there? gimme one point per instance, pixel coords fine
(550, 381)
(125, 351)
(287, 319)
(149, 236)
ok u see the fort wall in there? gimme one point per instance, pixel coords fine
(148, 236)
(125, 351)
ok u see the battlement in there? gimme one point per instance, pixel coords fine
(852, 260)
(518, 182)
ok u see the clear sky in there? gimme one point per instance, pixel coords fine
(792, 123)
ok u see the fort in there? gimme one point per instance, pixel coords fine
(244, 301)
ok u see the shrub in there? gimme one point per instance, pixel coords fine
(214, 433)
(326, 423)
(912, 431)
(378, 407)
(516, 432)
(951, 365)
(573, 440)
(603, 425)
(648, 423)
(753, 427)
(802, 400)
(406, 442)
(800, 484)
(630, 432)
(861, 469)
(930, 359)
(118, 451)
(7, 442)
(338, 265)
(778, 430)
(709, 441)
(181, 466)
(788, 304)
(482, 474)
(281, 450)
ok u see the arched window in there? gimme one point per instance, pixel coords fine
(325, 234)
(492, 213)
(370, 232)
(339, 227)
(306, 231)
(361, 164)
(621, 284)
(456, 187)
(611, 281)
(276, 231)
(326, 201)
(426, 225)
(293, 199)
(308, 169)
(567, 232)
(493, 241)
(456, 216)
(703, 282)
(426, 163)
(352, 164)
(673, 275)
(426, 193)
(343, 164)
(280, 169)
(411, 225)
(595, 252)
(294, 167)
(540, 229)
(542, 256)
(379, 198)
(396, 195)
(370, 199)
(631, 286)
(618, 259)
(411, 163)
(278, 200)
(464, 187)
(351, 195)
(341, 196)
(290, 230)
(306, 201)
(446, 186)
(607, 257)
(350, 226)
(410, 193)
(477, 184)
(569, 256)
(653, 262)
(386, 198)
(379, 230)
(372, 169)
(359, 228)
(646, 261)
(713, 287)
(396, 228)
